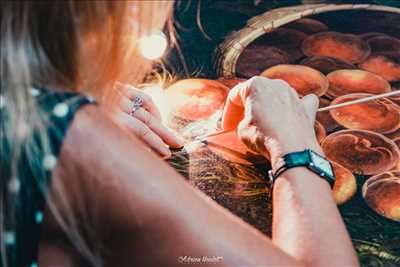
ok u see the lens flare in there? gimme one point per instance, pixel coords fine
(153, 46)
(157, 94)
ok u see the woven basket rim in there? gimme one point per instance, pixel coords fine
(228, 52)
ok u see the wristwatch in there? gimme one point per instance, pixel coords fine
(307, 158)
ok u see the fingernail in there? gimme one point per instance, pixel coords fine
(166, 156)
(166, 153)
(180, 141)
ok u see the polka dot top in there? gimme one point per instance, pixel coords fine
(24, 195)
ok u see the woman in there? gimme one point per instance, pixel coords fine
(79, 190)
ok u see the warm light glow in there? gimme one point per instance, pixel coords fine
(157, 94)
(153, 46)
(202, 127)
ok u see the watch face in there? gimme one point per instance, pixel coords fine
(321, 163)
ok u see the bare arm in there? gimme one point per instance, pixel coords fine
(306, 222)
(141, 210)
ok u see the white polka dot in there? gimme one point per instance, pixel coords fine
(39, 217)
(9, 238)
(14, 185)
(23, 129)
(34, 92)
(2, 101)
(49, 162)
(90, 99)
(60, 110)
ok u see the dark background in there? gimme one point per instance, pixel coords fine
(202, 25)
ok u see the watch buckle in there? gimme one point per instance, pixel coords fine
(271, 176)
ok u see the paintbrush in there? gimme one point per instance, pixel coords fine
(358, 101)
(348, 103)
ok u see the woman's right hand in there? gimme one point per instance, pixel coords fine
(270, 117)
(145, 121)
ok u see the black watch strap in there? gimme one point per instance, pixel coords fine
(307, 158)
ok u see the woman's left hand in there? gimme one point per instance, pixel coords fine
(270, 117)
(143, 120)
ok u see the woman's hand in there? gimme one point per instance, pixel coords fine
(144, 122)
(270, 117)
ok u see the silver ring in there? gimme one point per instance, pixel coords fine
(137, 104)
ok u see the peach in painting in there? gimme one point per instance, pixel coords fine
(347, 47)
(320, 131)
(368, 35)
(380, 115)
(230, 82)
(345, 185)
(343, 82)
(195, 99)
(395, 98)
(287, 40)
(254, 59)
(382, 194)
(304, 79)
(326, 64)
(385, 65)
(230, 147)
(325, 117)
(362, 152)
(307, 25)
(384, 44)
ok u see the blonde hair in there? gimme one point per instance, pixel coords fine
(41, 46)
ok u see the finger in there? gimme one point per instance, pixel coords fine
(168, 136)
(149, 105)
(142, 131)
(234, 106)
(111, 99)
(289, 90)
(249, 133)
(311, 103)
(246, 133)
(283, 85)
(131, 92)
(126, 105)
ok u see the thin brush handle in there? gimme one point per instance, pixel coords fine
(353, 102)
(358, 101)
(203, 137)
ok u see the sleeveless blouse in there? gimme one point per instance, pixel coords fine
(22, 221)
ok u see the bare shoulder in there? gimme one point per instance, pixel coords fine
(105, 177)
(98, 185)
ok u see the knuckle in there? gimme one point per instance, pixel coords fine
(266, 86)
(130, 88)
(242, 126)
(148, 119)
(254, 82)
(253, 79)
(314, 97)
(250, 119)
(146, 98)
(252, 90)
(144, 131)
(258, 81)
(122, 87)
(127, 90)
(290, 91)
(255, 86)
(283, 84)
(126, 105)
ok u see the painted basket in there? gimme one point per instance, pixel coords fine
(358, 18)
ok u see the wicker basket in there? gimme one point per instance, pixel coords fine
(228, 52)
